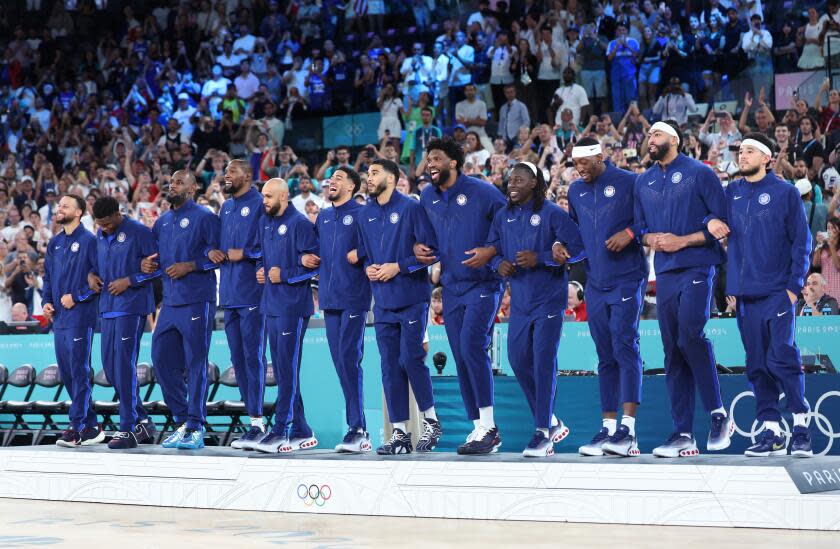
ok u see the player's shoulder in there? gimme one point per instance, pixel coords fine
(575, 186)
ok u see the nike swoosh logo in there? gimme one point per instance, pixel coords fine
(196, 317)
(739, 197)
(57, 247)
(651, 183)
(412, 322)
(551, 316)
(371, 219)
(584, 194)
(435, 201)
(483, 296)
(697, 282)
(251, 308)
(286, 333)
(126, 338)
(626, 298)
(354, 316)
(78, 338)
(326, 221)
(781, 314)
(227, 212)
(511, 220)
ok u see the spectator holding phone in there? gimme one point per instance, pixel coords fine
(815, 301)
(826, 256)
(726, 135)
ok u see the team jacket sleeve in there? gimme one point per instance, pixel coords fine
(84, 293)
(211, 229)
(46, 290)
(146, 245)
(361, 251)
(711, 191)
(260, 261)
(422, 232)
(253, 249)
(306, 242)
(494, 239)
(640, 227)
(567, 232)
(799, 235)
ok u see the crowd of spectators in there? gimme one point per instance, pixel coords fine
(110, 97)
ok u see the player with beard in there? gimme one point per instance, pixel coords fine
(185, 236)
(290, 246)
(601, 203)
(239, 293)
(71, 305)
(768, 253)
(523, 235)
(461, 209)
(679, 205)
(344, 296)
(126, 299)
(389, 227)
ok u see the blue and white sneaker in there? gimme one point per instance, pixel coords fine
(595, 446)
(400, 443)
(431, 435)
(768, 444)
(354, 442)
(800, 442)
(193, 439)
(303, 443)
(677, 445)
(273, 443)
(558, 432)
(172, 440)
(540, 446)
(485, 441)
(89, 436)
(622, 443)
(720, 433)
(250, 439)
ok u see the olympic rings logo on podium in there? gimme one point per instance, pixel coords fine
(314, 494)
(819, 419)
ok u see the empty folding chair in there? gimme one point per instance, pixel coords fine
(48, 378)
(22, 379)
(106, 408)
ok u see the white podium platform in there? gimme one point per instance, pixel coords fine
(703, 491)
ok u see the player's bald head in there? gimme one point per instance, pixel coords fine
(275, 196)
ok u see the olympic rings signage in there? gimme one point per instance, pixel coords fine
(314, 494)
(819, 419)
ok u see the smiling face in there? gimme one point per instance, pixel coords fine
(521, 185)
(589, 167)
(439, 167)
(235, 177)
(68, 211)
(341, 187)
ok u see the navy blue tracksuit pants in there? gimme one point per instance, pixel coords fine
(614, 324)
(683, 299)
(180, 345)
(399, 336)
(469, 328)
(767, 326)
(245, 331)
(72, 353)
(532, 352)
(346, 337)
(285, 340)
(120, 347)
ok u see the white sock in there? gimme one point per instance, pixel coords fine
(773, 426)
(630, 422)
(360, 430)
(799, 419)
(430, 413)
(401, 425)
(610, 425)
(543, 431)
(476, 423)
(554, 421)
(719, 411)
(685, 435)
(486, 417)
(258, 422)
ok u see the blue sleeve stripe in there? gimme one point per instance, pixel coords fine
(254, 255)
(415, 268)
(143, 277)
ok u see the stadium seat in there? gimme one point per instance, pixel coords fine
(49, 378)
(22, 379)
(4, 376)
(232, 409)
(105, 408)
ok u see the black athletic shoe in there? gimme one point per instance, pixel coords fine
(91, 435)
(123, 440)
(431, 435)
(400, 443)
(145, 432)
(69, 438)
(487, 441)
